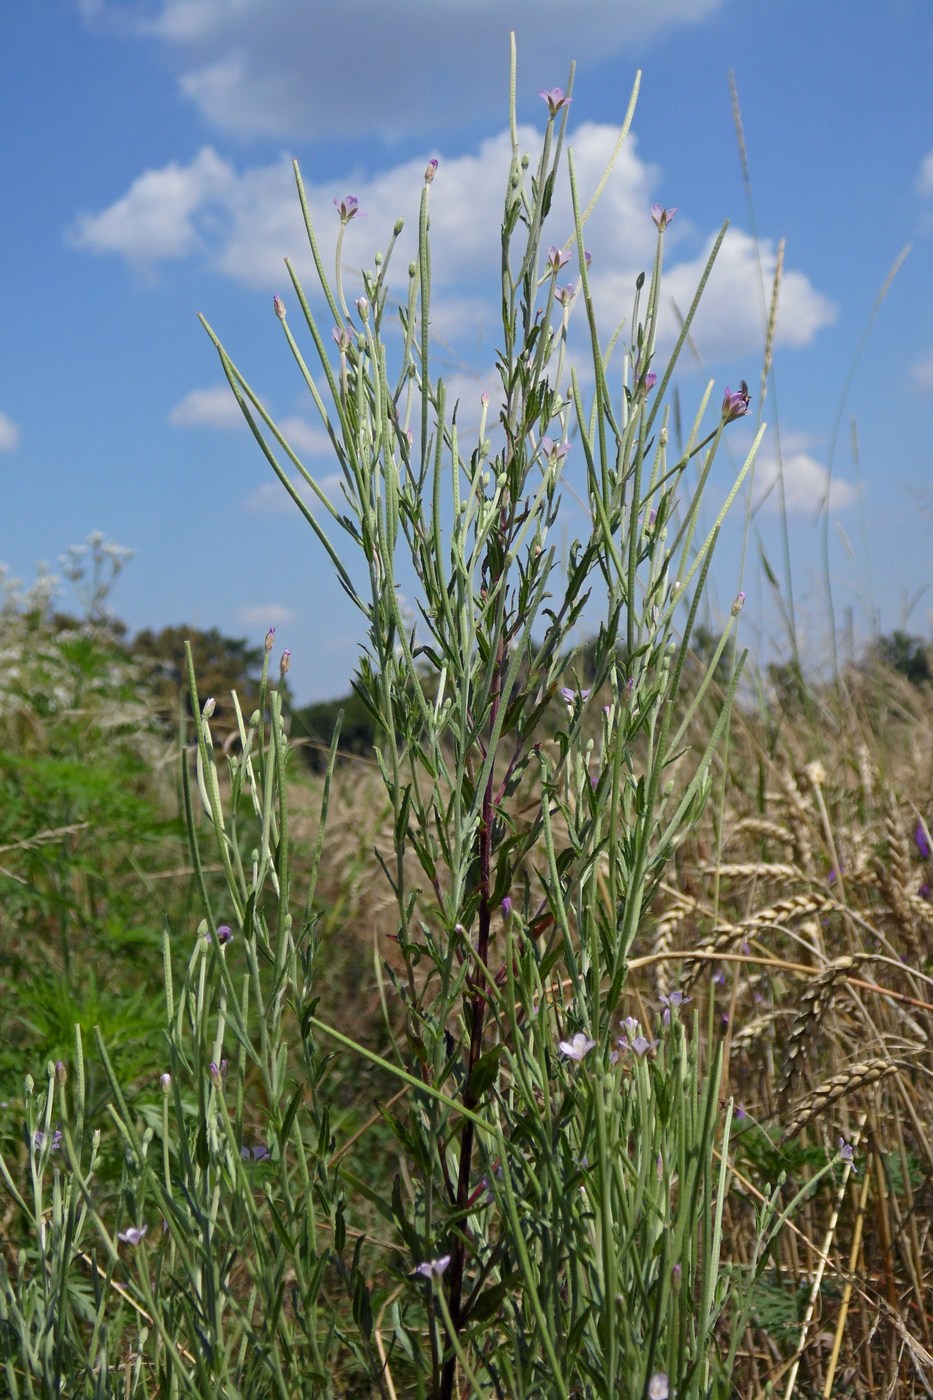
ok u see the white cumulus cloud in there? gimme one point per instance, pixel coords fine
(9, 434)
(246, 222)
(293, 68)
(921, 374)
(807, 482)
(271, 498)
(208, 408)
(925, 176)
(264, 615)
(162, 214)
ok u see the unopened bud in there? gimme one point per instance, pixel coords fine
(166, 1081)
(738, 605)
(270, 639)
(284, 663)
(362, 306)
(430, 172)
(279, 307)
(61, 1072)
(209, 708)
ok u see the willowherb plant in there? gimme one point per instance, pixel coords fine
(540, 1201)
(554, 1228)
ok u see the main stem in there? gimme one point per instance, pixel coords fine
(477, 1014)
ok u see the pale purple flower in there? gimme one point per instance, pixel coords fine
(633, 1039)
(735, 405)
(433, 1268)
(555, 98)
(572, 698)
(557, 258)
(552, 450)
(257, 1153)
(55, 1141)
(922, 840)
(662, 216)
(587, 258)
(224, 935)
(577, 1048)
(347, 208)
(565, 295)
(672, 1005)
(133, 1234)
(846, 1153)
(650, 380)
(342, 337)
(507, 905)
(658, 1387)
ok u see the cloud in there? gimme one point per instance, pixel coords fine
(729, 320)
(264, 615)
(9, 434)
(162, 214)
(287, 68)
(925, 176)
(245, 223)
(805, 482)
(208, 408)
(271, 498)
(921, 374)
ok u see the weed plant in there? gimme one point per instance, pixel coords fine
(597, 1159)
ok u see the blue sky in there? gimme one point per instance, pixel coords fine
(146, 178)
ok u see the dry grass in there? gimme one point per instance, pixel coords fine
(798, 914)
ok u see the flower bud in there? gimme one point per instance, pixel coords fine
(278, 306)
(430, 172)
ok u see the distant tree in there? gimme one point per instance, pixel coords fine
(222, 664)
(908, 655)
(312, 726)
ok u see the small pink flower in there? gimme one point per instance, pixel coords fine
(433, 1268)
(735, 405)
(662, 216)
(557, 258)
(576, 1049)
(347, 208)
(555, 98)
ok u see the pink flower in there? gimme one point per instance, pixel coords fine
(555, 98)
(347, 208)
(662, 216)
(577, 1048)
(735, 405)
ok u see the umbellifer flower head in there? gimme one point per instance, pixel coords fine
(735, 405)
(555, 98)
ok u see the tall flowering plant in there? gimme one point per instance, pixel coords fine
(557, 1222)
